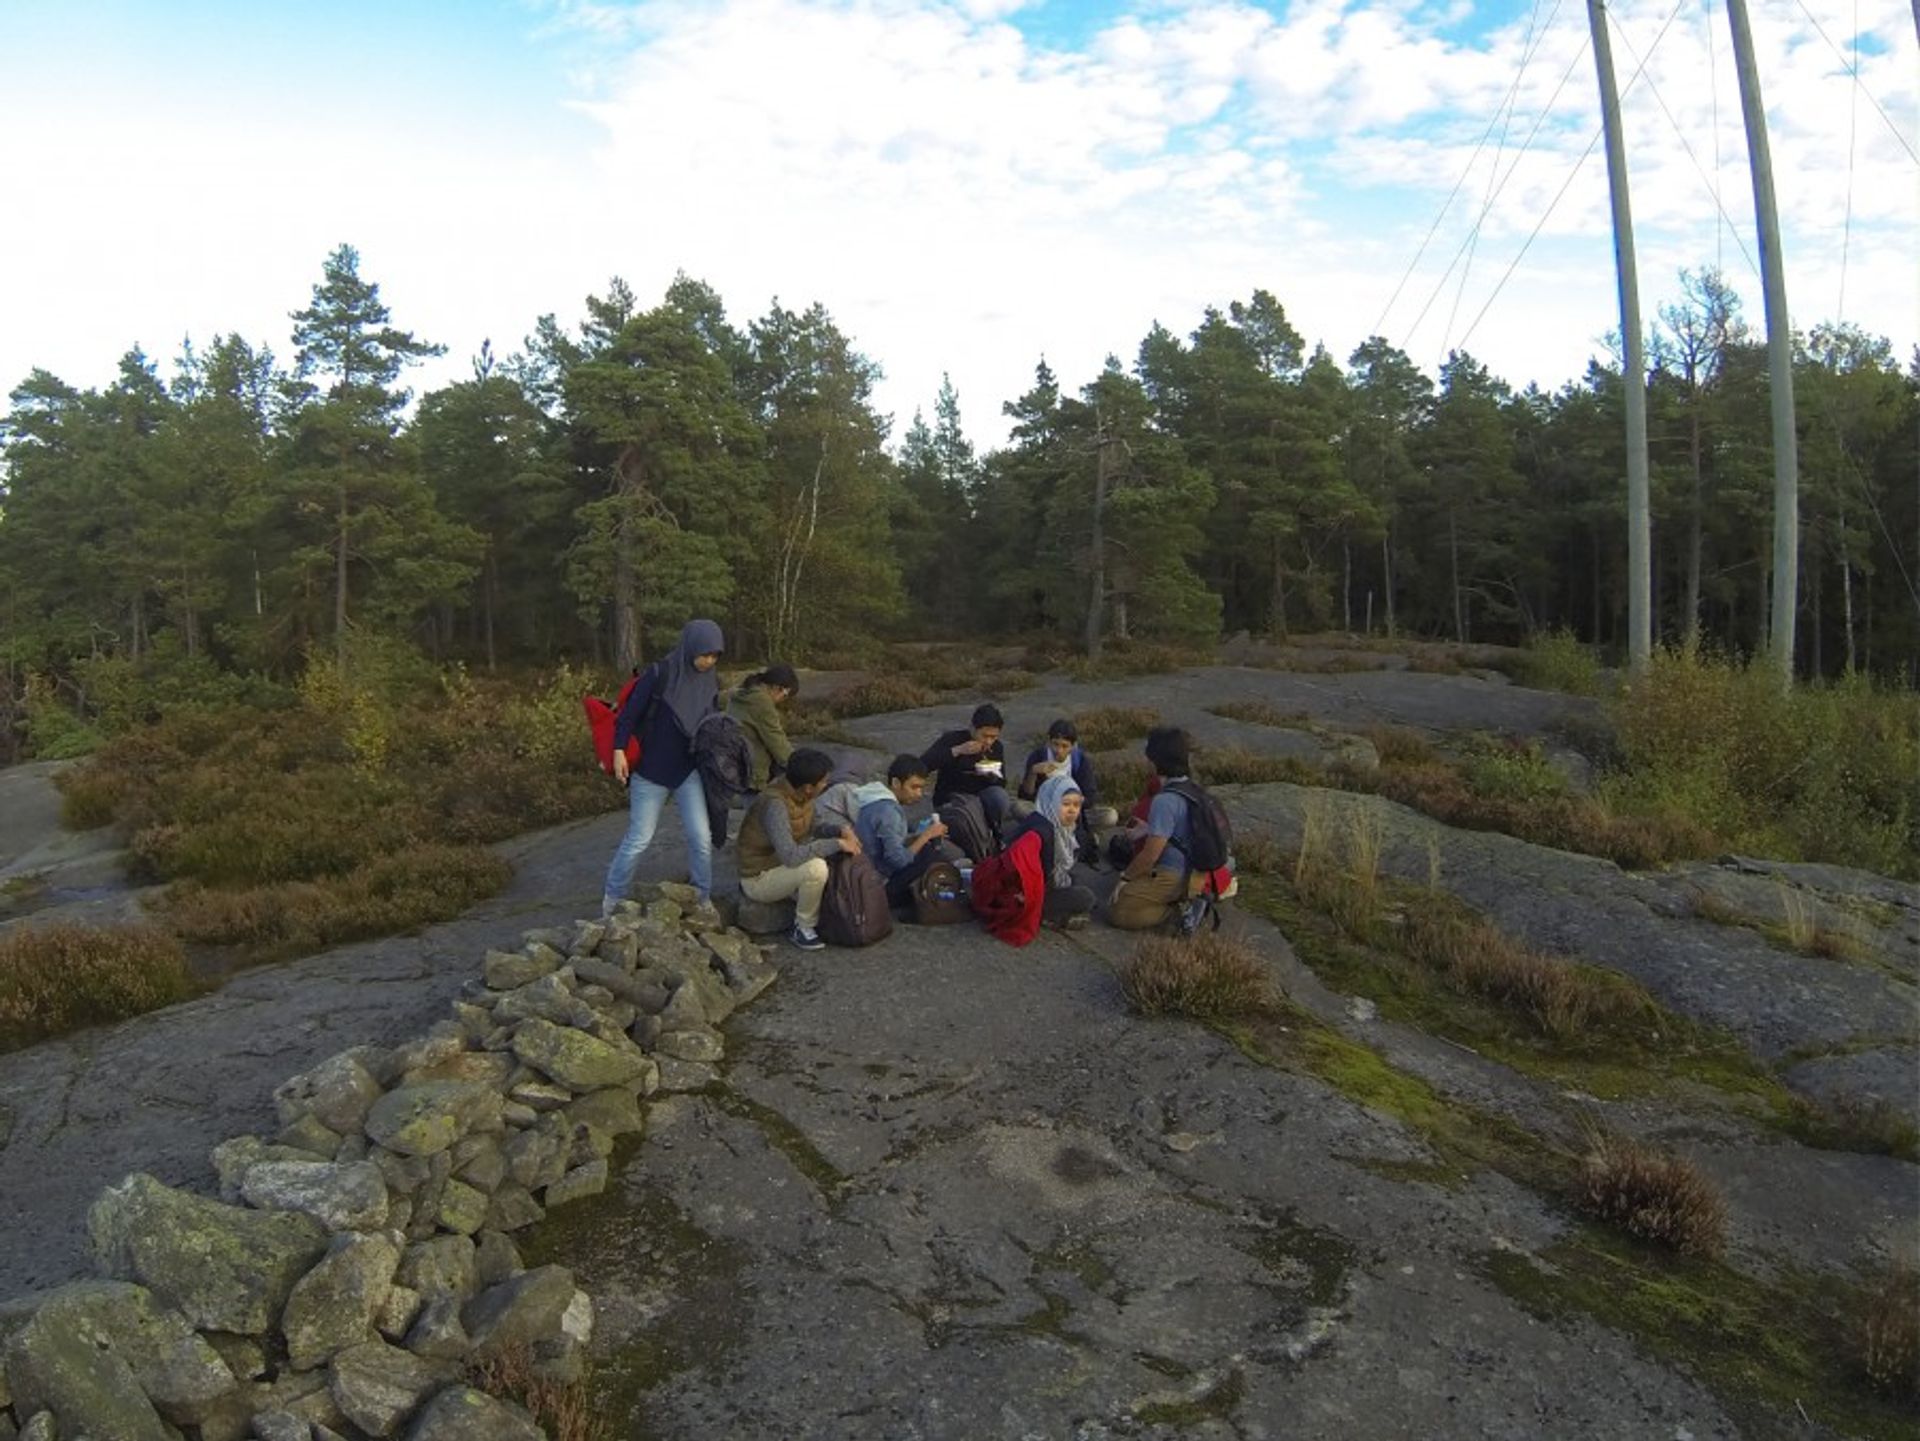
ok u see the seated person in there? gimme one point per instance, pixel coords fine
(899, 852)
(1033, 880)
(779, 855)
(972, 762)
(1062, 752)
(1156, 883)
(755, 704)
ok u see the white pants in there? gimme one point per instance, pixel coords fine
(805, 883)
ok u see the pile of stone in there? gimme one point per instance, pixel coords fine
(359, 1265)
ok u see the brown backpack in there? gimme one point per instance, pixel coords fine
(854, 910)
(940, 896)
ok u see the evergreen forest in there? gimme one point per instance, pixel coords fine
(202, 525)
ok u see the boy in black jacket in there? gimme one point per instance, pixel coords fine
(972, 762)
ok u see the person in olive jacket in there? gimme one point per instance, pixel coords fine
(756, 703)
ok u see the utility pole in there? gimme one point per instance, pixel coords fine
(1633, 375)
(1786, 447)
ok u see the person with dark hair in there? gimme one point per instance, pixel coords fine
(972, 762)
(1033, 881)
(1061, 754)
(780, 858)
(900, 852)
(755, 704)
(664, 708)
(1154, 886)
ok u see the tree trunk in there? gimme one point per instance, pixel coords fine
(489, 598)
(1098, 594)
(1690, 623)
(1846, 588)
(1277, 598)
(1386, 567)
(1819, 658)
(626, 604)
(1346, 584)
(1120, 626)
(1453, 550)
(340, 580)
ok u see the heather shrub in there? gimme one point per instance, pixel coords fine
(1107, 727)
(879, 695)
(386, 895)
(55, 979)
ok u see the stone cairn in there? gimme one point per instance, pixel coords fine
(359, 1263)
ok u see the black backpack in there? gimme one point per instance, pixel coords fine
(1212, 837)
(854, 910)
(967, 827)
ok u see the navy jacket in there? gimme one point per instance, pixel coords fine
(666, 752)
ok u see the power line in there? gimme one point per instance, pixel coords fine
(1853, 125)
(1380, 324)
(1566, 184)
(1713, 186)
(1853, 69)
(1525, 145)
(1493, 172)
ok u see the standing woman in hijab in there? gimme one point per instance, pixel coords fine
(663, 709)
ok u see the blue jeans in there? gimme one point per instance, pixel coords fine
(645, 801)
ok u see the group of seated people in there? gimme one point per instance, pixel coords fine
(1029, 849)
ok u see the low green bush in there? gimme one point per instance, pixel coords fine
(1557, 660)
(1818, 772)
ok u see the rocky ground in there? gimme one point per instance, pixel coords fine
(953, 1190)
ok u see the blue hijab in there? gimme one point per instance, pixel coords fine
(686, 691)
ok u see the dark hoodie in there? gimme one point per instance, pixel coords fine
(685, 695)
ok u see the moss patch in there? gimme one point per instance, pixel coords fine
(1765, 1351)
(786, 1138)
(1646, 1051)
(1215, 1403)
(626, 1244)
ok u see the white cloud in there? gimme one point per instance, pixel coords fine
(964, 200)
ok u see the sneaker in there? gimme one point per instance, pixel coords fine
(1194, 916)
(807, 940)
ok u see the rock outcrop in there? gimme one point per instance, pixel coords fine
(366, 1242)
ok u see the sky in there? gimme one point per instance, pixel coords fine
(966, 186)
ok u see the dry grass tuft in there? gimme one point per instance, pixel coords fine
(1258, 853)
(1888, 1331)
(564, 1409)
(1867, 1125)
(1563, 1000)
(1209, 978)
(1105, 727)
(1337, 868)
(1652, 1194)
(55, 979)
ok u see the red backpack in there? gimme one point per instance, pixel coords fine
(601, 716)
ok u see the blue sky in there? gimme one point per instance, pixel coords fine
(964, 185)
